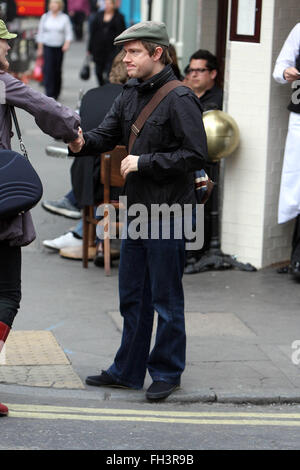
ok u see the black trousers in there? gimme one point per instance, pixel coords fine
(295, 256)
(53, 59)
(102, 72)
(77, 21)
(103, 66)
(10, 282)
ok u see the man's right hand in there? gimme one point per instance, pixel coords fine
(291, 74)
(77, 144)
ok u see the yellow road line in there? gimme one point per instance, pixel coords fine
(175, 414)
(149, 419)
(153, 416)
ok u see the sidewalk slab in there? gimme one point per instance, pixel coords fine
(34, 358)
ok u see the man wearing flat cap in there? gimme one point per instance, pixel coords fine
(159, 170)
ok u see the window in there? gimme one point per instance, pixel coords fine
(245, 20)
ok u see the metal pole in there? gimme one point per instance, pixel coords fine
(149, 10)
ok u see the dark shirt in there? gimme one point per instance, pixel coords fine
(85, 171)
(212, 99)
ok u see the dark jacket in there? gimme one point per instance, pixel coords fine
(102, 36)
(212, 99)
(171, 146)
(85, 172)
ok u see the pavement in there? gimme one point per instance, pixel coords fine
(243, 328)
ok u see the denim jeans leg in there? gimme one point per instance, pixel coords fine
(71, 197)
(167, 359)
(130, 362)
(79, 229)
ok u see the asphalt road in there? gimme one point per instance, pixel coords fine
(71, 424)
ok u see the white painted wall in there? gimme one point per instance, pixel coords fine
(247, 98)
(252, 175)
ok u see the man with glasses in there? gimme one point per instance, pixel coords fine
(201, 78)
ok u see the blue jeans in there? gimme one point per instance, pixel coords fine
(71, 196)
(150, 278)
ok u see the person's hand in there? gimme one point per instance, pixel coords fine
(291, 74)
(40, 50)
(130, 163)
(66, 46)
(77, 144)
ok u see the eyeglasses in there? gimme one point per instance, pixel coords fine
(196, 70)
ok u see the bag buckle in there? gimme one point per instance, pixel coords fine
(135, 130)
(23, 149)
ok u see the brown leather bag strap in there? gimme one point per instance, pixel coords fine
(148, 110)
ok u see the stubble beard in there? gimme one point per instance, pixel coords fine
(4, 65)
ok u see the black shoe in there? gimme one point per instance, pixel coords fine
(99, 258)
(160, 390)
(295, 270)
(103, 380)
(284, 269)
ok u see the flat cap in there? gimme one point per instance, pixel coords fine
(150, 31)
(4, 34)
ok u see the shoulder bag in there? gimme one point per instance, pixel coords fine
(20, 186)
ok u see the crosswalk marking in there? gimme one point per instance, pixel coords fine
(153, 416)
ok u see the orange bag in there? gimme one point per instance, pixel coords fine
(37, 73)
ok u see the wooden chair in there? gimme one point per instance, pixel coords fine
(109, 176)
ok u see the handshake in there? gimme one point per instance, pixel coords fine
(77, 144)
(128, 165)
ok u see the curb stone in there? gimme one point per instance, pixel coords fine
(204, 396)
(211, 396)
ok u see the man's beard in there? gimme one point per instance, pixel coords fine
(4, 65)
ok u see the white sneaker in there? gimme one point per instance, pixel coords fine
(64, 241)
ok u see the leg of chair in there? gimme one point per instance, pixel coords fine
(93, 223)
(85, 241)
(106, 248)
(106, 243)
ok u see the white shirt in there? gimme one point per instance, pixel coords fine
(53, 31)
(288, 54)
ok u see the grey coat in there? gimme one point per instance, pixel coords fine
(54, 119)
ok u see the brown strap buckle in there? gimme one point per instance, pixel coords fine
(135, 130)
